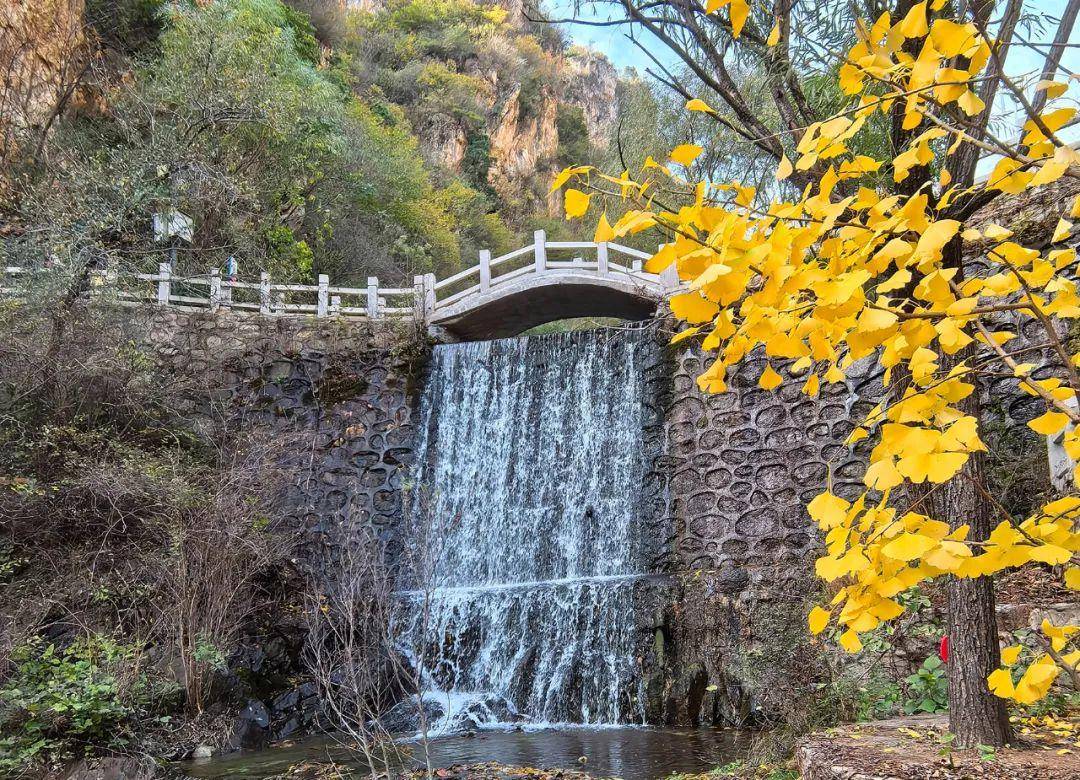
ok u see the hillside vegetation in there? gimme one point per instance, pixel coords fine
(301, 138)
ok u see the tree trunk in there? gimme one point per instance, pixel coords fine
(976, 716)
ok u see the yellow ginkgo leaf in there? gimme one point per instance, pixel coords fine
(1061, 232)
(693, 308)
(1000, 683)
(603, 232)
(818, 619)
(850, 641)
(1072, 578)
(566, 174)
(827, 509)
(685, 334)
(1050, 423)
(769, 380)
(784, 169)
(1051, 554)
(908, 547)
(684, 154)
(1010, 654)
(970, 103)
(914, 24)
(697, 104)
(774, 34)
(576, 203)
(1053, 89)
(740, 11)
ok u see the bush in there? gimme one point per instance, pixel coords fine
(928, 688)
(574, 147)
(59, 703)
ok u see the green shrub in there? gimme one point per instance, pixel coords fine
(928, 688)
(574, 147)
(58, 703)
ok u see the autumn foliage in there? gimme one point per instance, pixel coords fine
(863, 265)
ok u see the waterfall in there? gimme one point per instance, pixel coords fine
(528, 472)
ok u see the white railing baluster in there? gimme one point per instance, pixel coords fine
(418, 297)
(264, 293)
(164, 283)
(602, 259)
(540, 250)
(215, 289)
(429, 295)
(485, 270)
(323, 305)
(335, 305)
(373, 297)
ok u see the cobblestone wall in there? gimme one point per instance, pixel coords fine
(338, 391)
(740, 467)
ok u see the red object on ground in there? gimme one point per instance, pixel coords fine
(943, 649)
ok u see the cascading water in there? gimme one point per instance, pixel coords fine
(529, 468)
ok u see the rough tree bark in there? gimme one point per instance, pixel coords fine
(976, 716)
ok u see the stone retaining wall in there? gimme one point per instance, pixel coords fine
(742, 465)
(337, 391)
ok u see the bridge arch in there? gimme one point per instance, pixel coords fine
(540, 283)
(510, 309)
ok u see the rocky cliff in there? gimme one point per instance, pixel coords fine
(40, 52)
(522, 94)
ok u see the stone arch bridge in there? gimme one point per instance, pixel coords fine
(499, 296)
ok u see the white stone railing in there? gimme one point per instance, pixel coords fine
(423, 300)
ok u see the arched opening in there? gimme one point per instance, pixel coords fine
(510, 312)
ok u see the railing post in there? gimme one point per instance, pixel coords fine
(98, 280)
(112, 274)
(485, 270)
(373, 297)
(602, 259)
(335, 305)
(540, 250)
(164, 283)
(323, 307)
(264, 293)
(429, 296)
(635, 265)
(215, 289)
(418, 297)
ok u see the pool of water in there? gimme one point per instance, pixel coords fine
(632, 753)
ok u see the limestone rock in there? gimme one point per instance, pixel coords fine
(591, 83)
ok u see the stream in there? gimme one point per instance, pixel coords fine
(628, 752)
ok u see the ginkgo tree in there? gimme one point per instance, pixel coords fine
(866, 263)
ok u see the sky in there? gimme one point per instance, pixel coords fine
(624, 54)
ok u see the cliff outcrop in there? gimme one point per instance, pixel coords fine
(41, 48)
